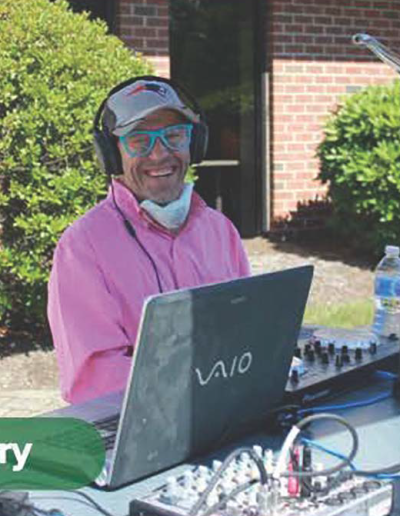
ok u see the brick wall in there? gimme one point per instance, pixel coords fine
(144, 26)
(313, 64)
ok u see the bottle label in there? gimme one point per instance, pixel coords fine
(387, 286)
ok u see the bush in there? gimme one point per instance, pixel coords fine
(56, 66)
(360, 161)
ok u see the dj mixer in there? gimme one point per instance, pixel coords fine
(330, 359)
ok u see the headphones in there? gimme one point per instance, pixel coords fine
(105, 143)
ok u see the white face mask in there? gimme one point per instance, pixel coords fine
(173, 214)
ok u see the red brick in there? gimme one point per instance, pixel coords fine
(163, 11)
(145, 32)
(314, 29)
(285, 176)
(296, 108)
(303, 39)
(283, 38)
(296, 147)
(136, 43)
(280, 195)
(157, 22)
(283, 18)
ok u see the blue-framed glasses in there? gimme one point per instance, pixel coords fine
(141, 143)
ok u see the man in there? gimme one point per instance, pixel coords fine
(151, 234)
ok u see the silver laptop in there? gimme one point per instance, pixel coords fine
(209, 363)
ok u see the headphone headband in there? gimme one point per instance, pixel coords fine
(106, 143)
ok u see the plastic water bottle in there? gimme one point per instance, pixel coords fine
(387, 294)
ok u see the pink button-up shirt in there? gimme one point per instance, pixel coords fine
(101, 277)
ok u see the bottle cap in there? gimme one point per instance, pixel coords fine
(392, 250)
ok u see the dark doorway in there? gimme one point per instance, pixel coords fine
(98, 9)
(214, 53)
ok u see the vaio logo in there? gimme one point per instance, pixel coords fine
(221, 369)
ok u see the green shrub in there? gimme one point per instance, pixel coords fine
(56, 66)
(360, 161)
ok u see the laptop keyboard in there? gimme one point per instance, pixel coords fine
(74, 440)
(107, 428)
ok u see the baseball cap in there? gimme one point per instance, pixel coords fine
(129, 106)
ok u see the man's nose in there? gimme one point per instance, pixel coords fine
(159, 150)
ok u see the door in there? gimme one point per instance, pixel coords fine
(215, 54)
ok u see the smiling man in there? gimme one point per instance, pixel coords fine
(151, 234)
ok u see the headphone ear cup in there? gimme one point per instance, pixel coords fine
(199, 143)
(107, 153)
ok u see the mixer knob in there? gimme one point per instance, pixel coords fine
(212, 498)
(331, 348)
(372, 348)
(325, 358)
(311, 355)
(294, 377)
(338, 361)
(370, 485)
(216, 464)
(333, 501)
(258, 450)
(346, 358)
(357, 491)
(345, 349)
(359, 354)
(203, 471)
(297, 352)
(346, 496)
(201, 484)
(307, 348)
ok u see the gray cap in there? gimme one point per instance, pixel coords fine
(128, 107)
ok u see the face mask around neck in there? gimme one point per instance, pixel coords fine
(173, 214)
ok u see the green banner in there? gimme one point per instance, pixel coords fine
(49, 453)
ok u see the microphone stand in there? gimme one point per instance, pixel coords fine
(393, 60)
(380, 50)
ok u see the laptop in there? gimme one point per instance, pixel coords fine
(208, 362)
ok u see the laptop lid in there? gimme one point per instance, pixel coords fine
(207, 361)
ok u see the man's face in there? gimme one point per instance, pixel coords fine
(159, 176)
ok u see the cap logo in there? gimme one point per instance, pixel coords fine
(156, 88)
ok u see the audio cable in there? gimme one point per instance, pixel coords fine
(131, 230)
(218, 475)
(292, 436)
(13, 505)
(389, 473)
(355, 404)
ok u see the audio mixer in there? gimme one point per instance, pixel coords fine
(329, 359)
(339, 495)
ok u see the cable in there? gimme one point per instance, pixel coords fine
(386, 374)
(93, 502)
(219, 505)
(131, 230)
(395, 468)
(87, 500)
(217, 476)
(383, 473)
(363, 403)
(294, 432)
(326, 450)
